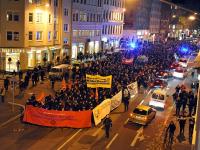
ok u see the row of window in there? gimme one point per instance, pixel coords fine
(111, 15)
(38, 36)
(12, 16)
(116, 3)
(86, 17)
(109, 29)
(89, 2)
(39, 2)
(39, 17)
(86, 33)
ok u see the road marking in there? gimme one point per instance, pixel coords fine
(126, 121)
(13, 118)
(69, 139)
(10, 120)
(139, 131)
(98, 130)
(141, 102)
(108, 146)
(149, 92)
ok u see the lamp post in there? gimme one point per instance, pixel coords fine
(71, 30)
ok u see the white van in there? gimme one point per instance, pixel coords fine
(58, 72)
(158, 98)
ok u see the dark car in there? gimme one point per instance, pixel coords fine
(158, 83)
(164, 75)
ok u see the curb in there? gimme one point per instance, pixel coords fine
(13, 118)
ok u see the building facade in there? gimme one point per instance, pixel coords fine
(155, 17)
(86, 26)
(29, 33)
(142, 19)
(112, 23)
(35, 32)
(96, 25)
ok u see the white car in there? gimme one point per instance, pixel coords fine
(183, 62)
(158, 98)
(180, 73)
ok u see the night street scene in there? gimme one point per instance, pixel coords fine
(99, 74)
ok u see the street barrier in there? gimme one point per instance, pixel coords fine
(101, 110)
(133, 89)
(54, 118)
(116, 101)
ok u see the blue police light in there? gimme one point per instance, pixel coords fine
(133, 45)
(184, 49)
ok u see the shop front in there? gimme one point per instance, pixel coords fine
(41, 56)
(76, 48)
(9, 58)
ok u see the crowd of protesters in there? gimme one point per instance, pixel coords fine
(79, 97)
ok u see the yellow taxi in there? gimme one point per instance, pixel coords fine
(142, 114)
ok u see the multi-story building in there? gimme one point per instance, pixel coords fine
(142, 18)
(113, 19)
(29, 32)
(37, 31)
(97, 25)
(155, 16)
(86, 26)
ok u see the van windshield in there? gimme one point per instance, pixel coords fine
(158, 96)
(55, 70)
(140, 111)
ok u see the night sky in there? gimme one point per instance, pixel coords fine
(190, 4)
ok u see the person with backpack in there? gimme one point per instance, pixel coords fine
(171, 129)
(107, 124)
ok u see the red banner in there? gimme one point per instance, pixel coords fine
(54, 118)
(127, 61)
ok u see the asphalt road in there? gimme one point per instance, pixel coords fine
(123, 135)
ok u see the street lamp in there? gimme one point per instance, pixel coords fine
(192, 18)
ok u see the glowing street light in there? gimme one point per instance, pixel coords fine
(46, 5)
(192, 18)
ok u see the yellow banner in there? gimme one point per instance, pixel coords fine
(94, 81)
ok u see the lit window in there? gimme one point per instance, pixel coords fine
(15, 16)
(16, 36)
(39, 35)
(9, 16)
(30, 17)
(30, 35)
(49, 36)
(65, 27)
(39, 17)
(49, 18)
(9, 35)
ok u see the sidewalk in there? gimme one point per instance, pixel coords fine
(7, 113)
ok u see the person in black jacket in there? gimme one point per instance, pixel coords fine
(107, 124)
(171, 129)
